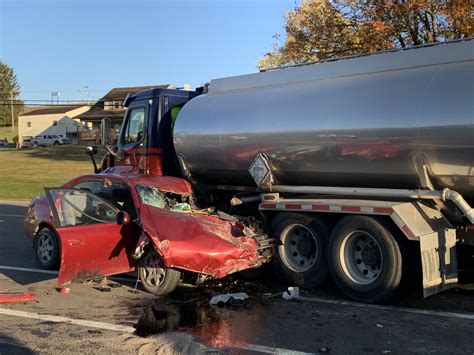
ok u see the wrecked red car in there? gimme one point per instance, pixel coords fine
(106, 224)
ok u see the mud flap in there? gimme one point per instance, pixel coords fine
(438, 258)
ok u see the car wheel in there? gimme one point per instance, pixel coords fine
(301, 253)
(365, 259)
(56, 143)
(46, 248)
(155, 277)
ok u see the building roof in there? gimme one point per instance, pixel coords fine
(121, 93)
(52, 110)
(96, 113)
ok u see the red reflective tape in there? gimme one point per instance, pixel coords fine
(320, 207)
(293, 207)
(408, 232)
(350, 208)
(383, 210)
(16, 297)
(268, 205)
(471, 226)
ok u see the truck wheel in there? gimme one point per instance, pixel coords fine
(301, 253)
(364, 259)
(156, 278)
(46, 248)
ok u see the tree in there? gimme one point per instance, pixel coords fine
(9, 95)
(323, 29)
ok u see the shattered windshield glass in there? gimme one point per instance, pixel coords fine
(154, 197)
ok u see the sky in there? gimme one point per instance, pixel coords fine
(83, 48)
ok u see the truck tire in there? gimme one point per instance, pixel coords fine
(156, 278)
(365, 259)
(300, 256)
(46, 247)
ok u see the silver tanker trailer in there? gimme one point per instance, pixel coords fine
(361, 163)
(361, 168)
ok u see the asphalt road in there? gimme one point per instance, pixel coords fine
(91, 319)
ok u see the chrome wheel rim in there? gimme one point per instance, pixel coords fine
(45, 247)
(152, 270)
(299, 248)
(361, 257)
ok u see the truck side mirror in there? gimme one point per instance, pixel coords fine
(123, 218)
(105, 128)
(91, 150)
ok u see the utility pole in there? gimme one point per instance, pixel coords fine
(11, 106)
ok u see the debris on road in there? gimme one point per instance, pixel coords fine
(293, 293)
(63, 290)
(16, 297)
(232, 299)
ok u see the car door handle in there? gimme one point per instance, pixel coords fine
(75, 242)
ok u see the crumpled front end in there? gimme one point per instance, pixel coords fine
(200, 242)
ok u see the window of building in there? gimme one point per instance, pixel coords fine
(28, 124)
(55, 123)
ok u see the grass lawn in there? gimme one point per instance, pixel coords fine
(24, 173)
(8, 133)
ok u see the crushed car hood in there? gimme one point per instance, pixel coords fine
(200, 242)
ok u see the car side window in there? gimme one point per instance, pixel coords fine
(93, 186)
(73, 207)
(115, 192)
(134, 128)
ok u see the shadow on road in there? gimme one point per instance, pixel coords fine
(11, 346)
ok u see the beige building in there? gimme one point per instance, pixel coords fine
(59, 120)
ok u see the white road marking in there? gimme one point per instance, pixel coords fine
(2, 221)
(67, 320)
(267, 349)
(392, 308)
(12, 215)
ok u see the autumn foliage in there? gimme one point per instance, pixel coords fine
(323, 29)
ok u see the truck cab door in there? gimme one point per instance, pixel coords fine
(132, 141)
(93, 245)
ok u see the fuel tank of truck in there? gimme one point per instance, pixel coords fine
(359, 121)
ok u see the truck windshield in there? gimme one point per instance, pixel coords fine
(152, 196)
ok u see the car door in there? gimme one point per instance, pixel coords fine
(93, 245)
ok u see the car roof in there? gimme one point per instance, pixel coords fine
(163, 183)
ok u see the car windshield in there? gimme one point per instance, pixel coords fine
(152, 196)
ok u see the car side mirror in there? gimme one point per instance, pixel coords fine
(123, 218)
(91, 150)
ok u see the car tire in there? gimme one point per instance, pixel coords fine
(46, 247)
(300, 256)
(154, 276)
(365, 259)
(56, 143)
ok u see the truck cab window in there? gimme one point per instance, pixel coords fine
(134, 127)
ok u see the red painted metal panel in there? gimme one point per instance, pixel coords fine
(16, 297)
(199, 243)
(92, 251)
